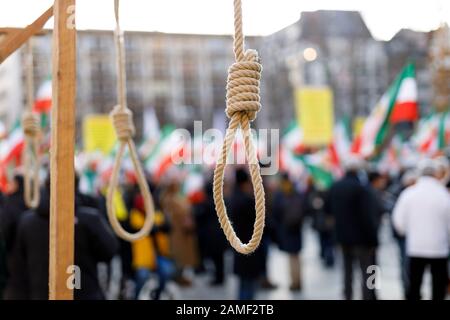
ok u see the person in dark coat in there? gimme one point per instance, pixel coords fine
(211, 238)
(87, 200)
(11, 212)
(353, 207)
(288, 207)
(322, 222)
(377, 185)
(3, 269)
(94, 243)
(199, 203)
(270, 233)
(248, 268)
(12, 209)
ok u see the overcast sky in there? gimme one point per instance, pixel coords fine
(261, 17)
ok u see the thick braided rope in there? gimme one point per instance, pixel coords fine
(31, 128)
(243, 103)
(122, 118)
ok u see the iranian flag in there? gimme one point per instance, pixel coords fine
(433, 134)
(10, 154)
(389, 160)
(318, 168)
(291, 144)
(398, 104)
(293, 138)
(160, 158)
(11, 147)
(43, 102)
(294, 160)
(152, 132)
(339, 148)
(193, 184)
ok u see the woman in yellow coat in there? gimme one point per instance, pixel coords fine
(152, 253)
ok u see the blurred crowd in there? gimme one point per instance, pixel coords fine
(187, 240)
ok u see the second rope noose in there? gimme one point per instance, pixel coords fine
(243, 103)
(122, 118)
(31, 129)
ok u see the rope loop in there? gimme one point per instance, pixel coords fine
(243, 103)
(143, 186)
(122, 119)
(31, 128)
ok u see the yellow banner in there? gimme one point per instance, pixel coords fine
(315, 115)
(98, 133)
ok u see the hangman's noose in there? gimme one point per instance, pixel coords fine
(243, 102)
(123, 125)
(31, 129)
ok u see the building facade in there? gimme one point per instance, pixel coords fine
(11, 89)
(183, 77)
(324, 48)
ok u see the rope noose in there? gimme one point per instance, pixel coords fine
(31, 128)
(243, 102)
(123, 125)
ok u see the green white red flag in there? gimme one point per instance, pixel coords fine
(398, 104)
(43, 101)
(10, 154)
(433, 134)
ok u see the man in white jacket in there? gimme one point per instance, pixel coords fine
(422, 215)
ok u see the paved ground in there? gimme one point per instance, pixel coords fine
(319, 282)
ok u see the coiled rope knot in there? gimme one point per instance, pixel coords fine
(30, 124)
(243, 86)
(123, 123)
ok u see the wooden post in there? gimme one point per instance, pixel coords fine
(62, 151)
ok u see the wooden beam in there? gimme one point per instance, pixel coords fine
(9, 31)
(15, 40)
(62, 152)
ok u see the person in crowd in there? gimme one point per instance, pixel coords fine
(211, 238)
(443, 169)
(352, 205)
(270, 233)
(97, 202)
(248, 268)
(405, 180)
(11, 212)
(151, 253)
(198, 202)
(123, 203)
(422, 215)
(84, 199)
(94, 243)
(322, 221)
(377, 185)
(288, 207)
(182, 236)
(3, 268)
(448, 287)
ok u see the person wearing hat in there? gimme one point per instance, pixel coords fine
(422, 215)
